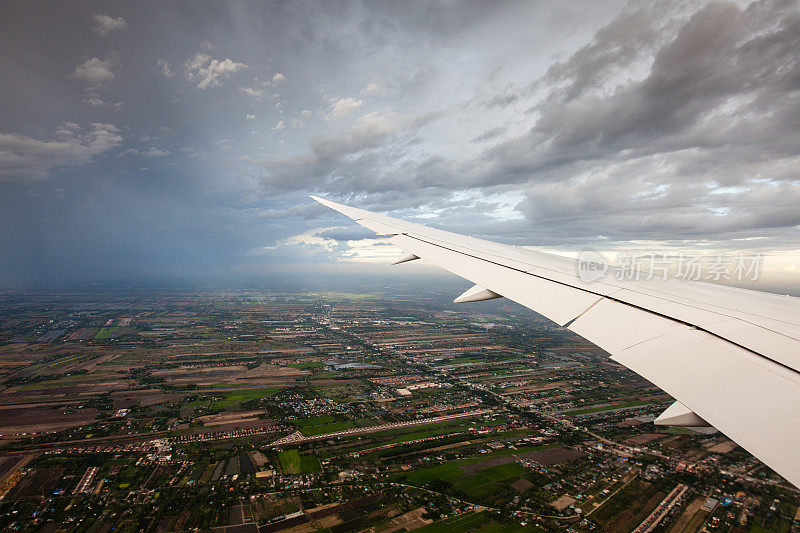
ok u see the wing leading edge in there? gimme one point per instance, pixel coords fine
(730, 356)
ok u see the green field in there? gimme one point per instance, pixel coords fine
(485, 482)
(104, 333)
(470, 359)
(328, 424)
(307, 366)
(314, 421)
(442, 428)
(445, 472)
(480, 484)
(243, 396)
(293, 463)
(332, 427)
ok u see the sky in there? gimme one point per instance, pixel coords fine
(180, 140)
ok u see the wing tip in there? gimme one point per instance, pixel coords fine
(327, 203)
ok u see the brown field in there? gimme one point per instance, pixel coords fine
(643, 438)
(265, 375)
(544, 458)
(16, 420)
(39, 482)
(228, 418)
(723, 447)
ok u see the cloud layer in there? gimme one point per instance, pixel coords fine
(597, 124)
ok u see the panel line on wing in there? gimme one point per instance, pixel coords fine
(568, 324)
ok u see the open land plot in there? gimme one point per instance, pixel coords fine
(43, 419)
(726, 446)
(543, 457)
(228, 418)
(293, 463)
(307, 365)
(644, 438)
(314, 421)
(464, 468)
(241, 396)
(38, 483)
(485, 482)
(457, 524)
(235, 375)
(629, 507)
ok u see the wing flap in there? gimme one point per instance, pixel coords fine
(753, 401)
(559, 303)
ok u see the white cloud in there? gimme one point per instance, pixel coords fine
(343, 107)
(209, 72)
(166, 68)
(23, 157)
(300, 120)
(94, 100)
(250, 117)
(278, 78)
(371, 89)
(280, 126)
(156, 152)
(322, 241)
(106, 24)
(311, 238)
(96, 71)
(249, 91)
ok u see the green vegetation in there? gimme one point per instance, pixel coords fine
(307, 366)
(470, 359)
(452, 470)
(332, 427)
(445, 472)
(484, 482)
(239, 397)
(293, 463)
(314, 421)
(107, 333)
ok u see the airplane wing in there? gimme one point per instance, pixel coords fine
(729, 356)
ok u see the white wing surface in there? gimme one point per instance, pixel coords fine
(731, 357)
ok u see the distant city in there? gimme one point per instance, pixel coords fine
(300, 410)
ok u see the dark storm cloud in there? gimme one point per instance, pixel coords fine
(182, 140)
(715, 106)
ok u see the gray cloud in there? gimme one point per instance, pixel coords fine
(105, 24)
(210, 72)
(23, 157)
(557, 123)
(96, 72)
(490, 134)
(713, 104)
